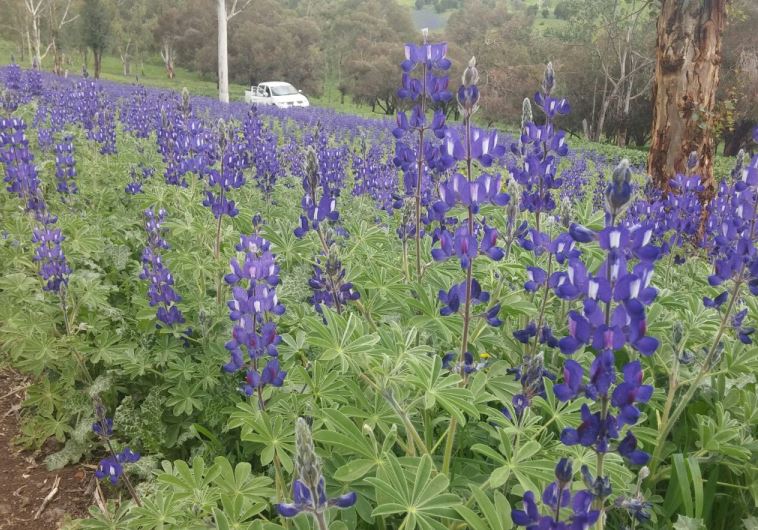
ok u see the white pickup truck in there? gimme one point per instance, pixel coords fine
(278, 93)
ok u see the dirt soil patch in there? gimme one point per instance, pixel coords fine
(25, 481)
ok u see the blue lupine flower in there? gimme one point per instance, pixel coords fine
(557, 495)
(54, 267)
(319, 202)
(619, 191)
(112, 468)
(629, 392)
(262, 146)
(254, 304)
(328, 284)
(531, 374)
(572, 381)
(65, 166)
(743, 332)
(161, 291)
(431, 55)
(229, 176)
(103, 427)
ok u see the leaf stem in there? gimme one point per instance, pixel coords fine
(420, 175)
(447, 456)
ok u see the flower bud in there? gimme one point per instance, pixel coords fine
(678, 333)
(619, 191)
(526, 113)
(425, 34)
(564, 471)
(692, 160)
(185, 100)
(548, 82)
(307, 462)
(468, 93)
(221, 126)
(687, 357)
(311, 166)
(644, 472)
(739, 163)
(470, 74)
(580, 233)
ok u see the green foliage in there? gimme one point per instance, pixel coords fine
(422, 497)
(371, 379)
(95, 25)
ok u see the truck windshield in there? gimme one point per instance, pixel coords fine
(283, 90)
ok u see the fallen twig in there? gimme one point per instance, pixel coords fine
(15, 391)
(99, 499)
(49, 497)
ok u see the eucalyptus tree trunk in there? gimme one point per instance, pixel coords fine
(688, 57)
(223, 60)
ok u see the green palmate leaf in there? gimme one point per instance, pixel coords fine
(320, 384)
(275, 434)
(400, 344)
(354, 470)
(285, 244)
(106, 344)
(185, 398)
(442, 389)
(495, 515)
(688, 523)
(517, 462)
(422, 497)
(159, 511)
(240, 488)
(39, 352)
(46, 396)
(515, 303)
(113, 518)
(342, 434)
(18, 285)
(343, 338)
(191, 484)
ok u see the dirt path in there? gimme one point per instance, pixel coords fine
(24, 479)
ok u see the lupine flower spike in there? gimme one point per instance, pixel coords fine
(309, 487)
(112, 466)
(161, 291)
(253, 346)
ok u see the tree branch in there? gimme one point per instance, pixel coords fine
(234, 11)
(65, 20)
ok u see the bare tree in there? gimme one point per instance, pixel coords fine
(626, 71)
(58, 19)
(168, 54)
(165, 33)
(35, 10)
(224, 17)
(684, 94)
(130, 28)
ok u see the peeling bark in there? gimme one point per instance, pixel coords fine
(688, 57)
